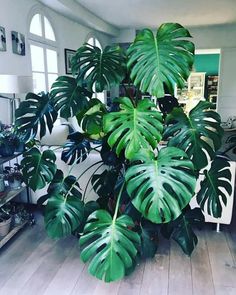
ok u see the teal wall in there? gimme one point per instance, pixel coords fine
(208, 63)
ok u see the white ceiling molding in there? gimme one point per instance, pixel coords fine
(76, 12)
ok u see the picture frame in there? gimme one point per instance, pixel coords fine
(18, 43)
(3, 45)
(69, 53)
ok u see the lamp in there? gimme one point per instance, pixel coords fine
(13, 84)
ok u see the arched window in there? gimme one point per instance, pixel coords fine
(43, 49)
(95, 42)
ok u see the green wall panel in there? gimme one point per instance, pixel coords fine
(208, 63)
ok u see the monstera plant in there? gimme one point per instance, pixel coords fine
(145, 188)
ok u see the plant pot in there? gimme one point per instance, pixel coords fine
(7, 150)
(16, 184)
(5, 227)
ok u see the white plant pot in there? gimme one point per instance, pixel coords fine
(5, 227)
(16, 184)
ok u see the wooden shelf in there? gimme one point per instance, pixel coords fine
(7, 159)
(12, 232)
(10, 194)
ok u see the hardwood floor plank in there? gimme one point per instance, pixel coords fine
(180, 277)
(201, 269)
(223, 272)
(225, 291)
(19, 249)
(103, 288)
(27, 268)
(65, 279)
(44, 274)
(155, 278)
(131, 285)
(85, 284)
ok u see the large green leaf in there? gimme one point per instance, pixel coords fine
(76, 149)
(38, 168)
(90, 119)
(161, 187)
(133, 128)
(110, 245)
(68, 97)
(34, 114)
(181, 229)
(99, 69)
(215, 187)
(63, 215)
(198, 134)
(164, 58)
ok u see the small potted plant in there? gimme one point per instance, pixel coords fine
(9, 141)
(14, 176)
(5, 223)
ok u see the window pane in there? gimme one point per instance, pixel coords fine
(49, 34)
(36, 25)
(51, 79)
(98, 44)
(39, 83)
(91, 41)
(52, 61)
(37, 58)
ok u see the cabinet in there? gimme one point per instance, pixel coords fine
(194, 87)
(9, 195)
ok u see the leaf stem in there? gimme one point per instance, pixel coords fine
(118, 203)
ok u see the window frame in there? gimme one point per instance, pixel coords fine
(44, 43)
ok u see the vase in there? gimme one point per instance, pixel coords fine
(5, 227)
(16, 184)
(2, 184)
(7, 150)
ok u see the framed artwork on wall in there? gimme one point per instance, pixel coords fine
(3, 46)
(18, 43)
(69, 53)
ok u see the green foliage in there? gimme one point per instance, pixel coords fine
(63, 215)
(90, 119)
(110, 245)
(38, 168)
(161, 187)
(181, 230)
(214, 187)
(133, 127)
(198, 134)
(164, 58)
(76, 149)
(35, 114)
(99, 69)
(68, 97)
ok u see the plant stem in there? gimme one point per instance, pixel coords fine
(84, 194)
(118, 203)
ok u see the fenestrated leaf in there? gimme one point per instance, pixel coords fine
(161, 187)
(99, 69)
(38, 168)
(215, 187)
(91, 118)
(133, 128)
(63, 215)
(68, 97)
(110, 245)
(104, 183)
(198, 134)
(164, 58)
(181, 230)
(76, 149)
(35, 113)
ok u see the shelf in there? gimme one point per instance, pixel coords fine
(7, 159)
(12, 232)
(10, 194)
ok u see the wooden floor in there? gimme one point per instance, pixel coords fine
(33, 264)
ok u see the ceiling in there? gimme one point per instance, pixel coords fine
(151, 13)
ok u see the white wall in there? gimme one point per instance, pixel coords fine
(15, 15)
